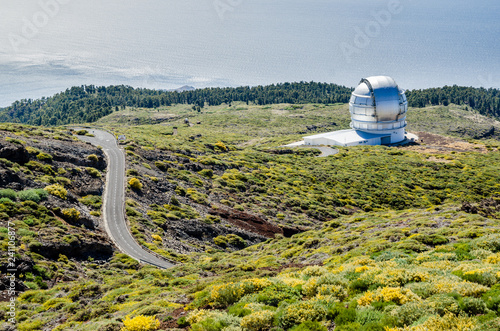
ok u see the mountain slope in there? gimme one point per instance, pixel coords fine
(269, 238)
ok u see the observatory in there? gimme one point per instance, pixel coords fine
(378, 110)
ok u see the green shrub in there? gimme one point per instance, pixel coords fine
(111, 326)
(8, 193)
(44, 157)
(276, 293)
(367, 316)
(30, 325)
(492, 298)
(353, 326)
(93, 158)
(132, 172)
(491, 325)
(81, 132)
(131, 211)
(373, 326)
(181, 322)
(15, 141)
(29, 221)
(93, 172)
(483, 278)
(161, 165)
(473, 306)
(29, 195)
(221, 241)
(309, 326)
(93, 201)
(209, 173)
(345, 316)
(151, 310)
(34, 245)
(443, 304)
(239, 310)
(489, 242)
(236, 240)
(410, 312)
(300, 312)
(63, 180)
(412, 245)
(41, 284)
(433, 239)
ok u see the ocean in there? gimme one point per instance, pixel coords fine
(47, 46)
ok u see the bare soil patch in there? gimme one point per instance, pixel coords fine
(436, 144)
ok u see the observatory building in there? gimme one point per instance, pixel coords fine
(378, 110)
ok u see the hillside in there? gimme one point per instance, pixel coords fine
(265, 237)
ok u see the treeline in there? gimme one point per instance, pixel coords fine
(87, 104)
(486, 101)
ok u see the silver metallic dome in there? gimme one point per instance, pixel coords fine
(377, 104)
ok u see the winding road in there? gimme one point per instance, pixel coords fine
(114, 201)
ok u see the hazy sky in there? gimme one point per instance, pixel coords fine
(49, 45)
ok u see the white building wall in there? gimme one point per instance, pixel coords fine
(341, 140)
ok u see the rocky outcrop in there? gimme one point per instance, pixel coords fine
(487, 207)
(77, 246)
(14, 152)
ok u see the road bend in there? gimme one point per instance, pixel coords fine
(114, 201)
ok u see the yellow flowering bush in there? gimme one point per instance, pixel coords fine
(221, 146)
(135, 184)
(71, 214)
(57, 190)
(156, 237)
(361, 261)
(395, 294)
(493, 259)
(442, 284)
(226, 294)
(362, 269)
(260, 320)
(328, 284)
(389, 276)
(141, 323)
(290, 281)
(442, 265)
(314, 271)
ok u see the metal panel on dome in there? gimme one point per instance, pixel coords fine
(378, 104)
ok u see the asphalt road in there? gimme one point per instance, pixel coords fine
(114, 201)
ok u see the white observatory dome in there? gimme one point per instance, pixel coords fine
(378, 110)
(379, 106)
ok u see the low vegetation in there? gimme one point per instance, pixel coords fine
(266, 238)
